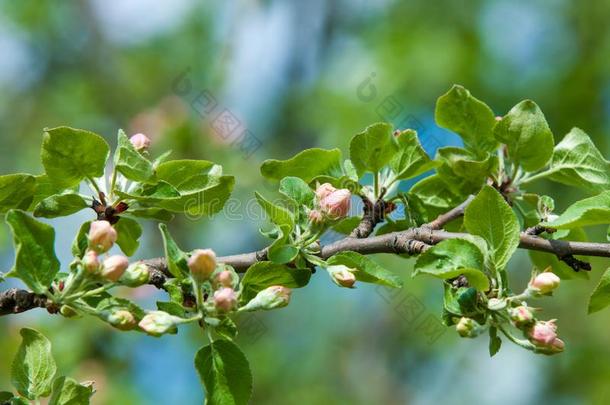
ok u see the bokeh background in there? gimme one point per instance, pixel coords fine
(297, 74)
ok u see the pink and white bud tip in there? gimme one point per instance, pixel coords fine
(140, 142)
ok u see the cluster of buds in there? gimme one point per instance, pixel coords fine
(102, 237)
(272, 297)
(543, 335)
(342, 275)
(332, 203)
(543, 284)
(140, 142)
(157, 323)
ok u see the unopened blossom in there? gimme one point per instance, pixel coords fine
(341, 275)
(225, 278)
(136, 275)
(114, 267)
(323, 190)
(157, 323)
(544, 283)
(336, 204)
(140, 142)
(521, 316)
(543, 334)
(202, 264)
(315, 216)
(272, 297)
(225, 299)
(101, 236)
(122, 320)
(91, 262)
(466, 327)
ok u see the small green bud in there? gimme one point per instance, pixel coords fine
(272, 297)
(136, 275)
(122, 320)
(68, 311)
(466, 327)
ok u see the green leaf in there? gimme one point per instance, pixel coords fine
(189, 176)
(490, 217)
(277, 215)
(577, 162)
(33, 368)
(130, 163)
(373, 148)
(16, 191)
(128, 235)
(69, 155)
(151, 193)
(81, 242)
(411, 159)
(527, 135)
(60, 205)
(296, 189)
(430, 197)
(176, 258)
(44, 188)
(35, 260)
(600, 298)
(67, 391)
(305, 165)
(460, 112)
(172, 308)
(226, 328)
(451, 258)
(281, 251)
(225, 373)
(265, 274)
(151, 213)
(347, 225)
(366, 270)
(462, 172)
(495, 343)
(208, 200)
(590, 211)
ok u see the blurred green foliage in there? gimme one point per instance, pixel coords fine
(295, 75)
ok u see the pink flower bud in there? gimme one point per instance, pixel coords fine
(544, 283)
(140, 142)
(101, 236)
(122, 320)
(544, 336)
(342, 276)
(324, 190)
(202, 264)
(91, 262)
(157, 323)
(336, 204)
(543, 333)
(315, 217)
(225, 278)
(521, 316)
(272, 297)
(225, 299)
(114, 267)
